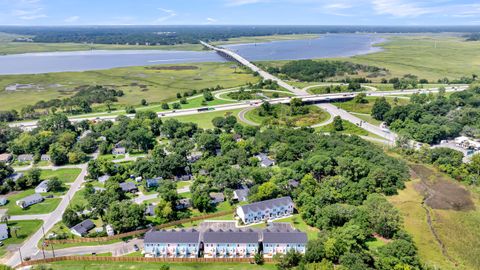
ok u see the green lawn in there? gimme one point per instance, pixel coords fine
(366, 108)
(298, 223)
(64, 175)
(111, 157)
(349, 128)
(204, 120)
(71, 265)
(25, 228)
(47, 206)
(315, 116)
(137, 83)
(182, 184)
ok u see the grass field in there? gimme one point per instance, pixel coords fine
(348, 128)
(458, 230)
(204, 120)
(64, 175)
(315, 116)
(25, 228)
(137, 83)
(70, 265)
(430, 57)
(47, 206)
(366, 108)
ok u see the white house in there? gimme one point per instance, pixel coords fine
(119, 151)
(265, 210)
(42, 187)
(3, 231)
(45, 158)
(25, 158)
(241, 195)
(30, 200)
(102, 179)
(265, 161)
(110, 231)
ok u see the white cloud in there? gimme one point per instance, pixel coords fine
(72, 19)
(212, 20)
(169, 14)
(29, 14)
(243, 2)
(401, 8)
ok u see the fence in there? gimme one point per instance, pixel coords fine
(143, 259)
(137, 232)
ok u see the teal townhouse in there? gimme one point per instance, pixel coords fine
(230, 243)
(172, 243)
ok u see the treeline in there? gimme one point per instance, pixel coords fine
(430, 119)
(168, 35)
(309, 70)
(472, 37)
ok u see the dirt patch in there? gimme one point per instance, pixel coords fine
(440, 192)
(173, 68)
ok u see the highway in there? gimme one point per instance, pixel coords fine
(323, 98)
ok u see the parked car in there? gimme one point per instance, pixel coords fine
(135, 247)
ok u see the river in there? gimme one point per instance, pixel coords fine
(326, 46)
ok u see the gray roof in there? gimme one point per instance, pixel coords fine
(15, 176)
(181, 236)
(230, 236)
(293, 183)
(25, 157)
(217, 196)
(128, 186)
(3, 227)
(241, 194)
(104, 178)
(150, 210)
(277, 236)
(265, 160)
(43, 184)
(33, 197)
(257, 206)
(84, 226)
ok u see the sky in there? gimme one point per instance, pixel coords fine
(239, 12)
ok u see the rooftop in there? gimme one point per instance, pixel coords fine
(279, 236)
(128, 186)
(257, 206)
(172, 236)
(84, 226)
(231, 236)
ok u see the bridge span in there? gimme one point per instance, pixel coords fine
(230, 55)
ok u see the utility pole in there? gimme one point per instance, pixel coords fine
(21, 257)
(53, 250)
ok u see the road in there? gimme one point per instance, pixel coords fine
(242, 105)
(29, 247)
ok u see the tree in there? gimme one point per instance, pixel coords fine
(201, 201)
(164, 210)
(258, 258)
(267, 190)
(218, 122)
(5, 171)
(56, 123)
(54, 184)
(337, 123)
(70, 217)
(76, 156)
(360, 98)
(380, 108)
(87, 144)
(58, 154)
(176, 106)
(289, 260)
(207, 95)
(109, 103)
(125, 216)
(144, 102)
(183, 101)
(383, 218)
(165, 106)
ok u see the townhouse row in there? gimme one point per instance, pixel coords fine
(232, 243)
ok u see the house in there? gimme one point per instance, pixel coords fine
(265, 210)
(3, 200)
(110, 231)
(280, 242)
(185, 177)
(3, 231)
(15, 176)
(217, 197)
(153, 182)
(99, 189)
(119, 151)
(102, 179)
(5, 158)
(45, 157)
(102, 138)
(42, 187)
(241, 195)
(30, 200)
(25, 158)
(293, 183)
(82, 228)
(150, 210)
(194, 156)
(230, 243)
(172, 243)
(203, 172)
(183, 204)
(265, 161)
(128, 187)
